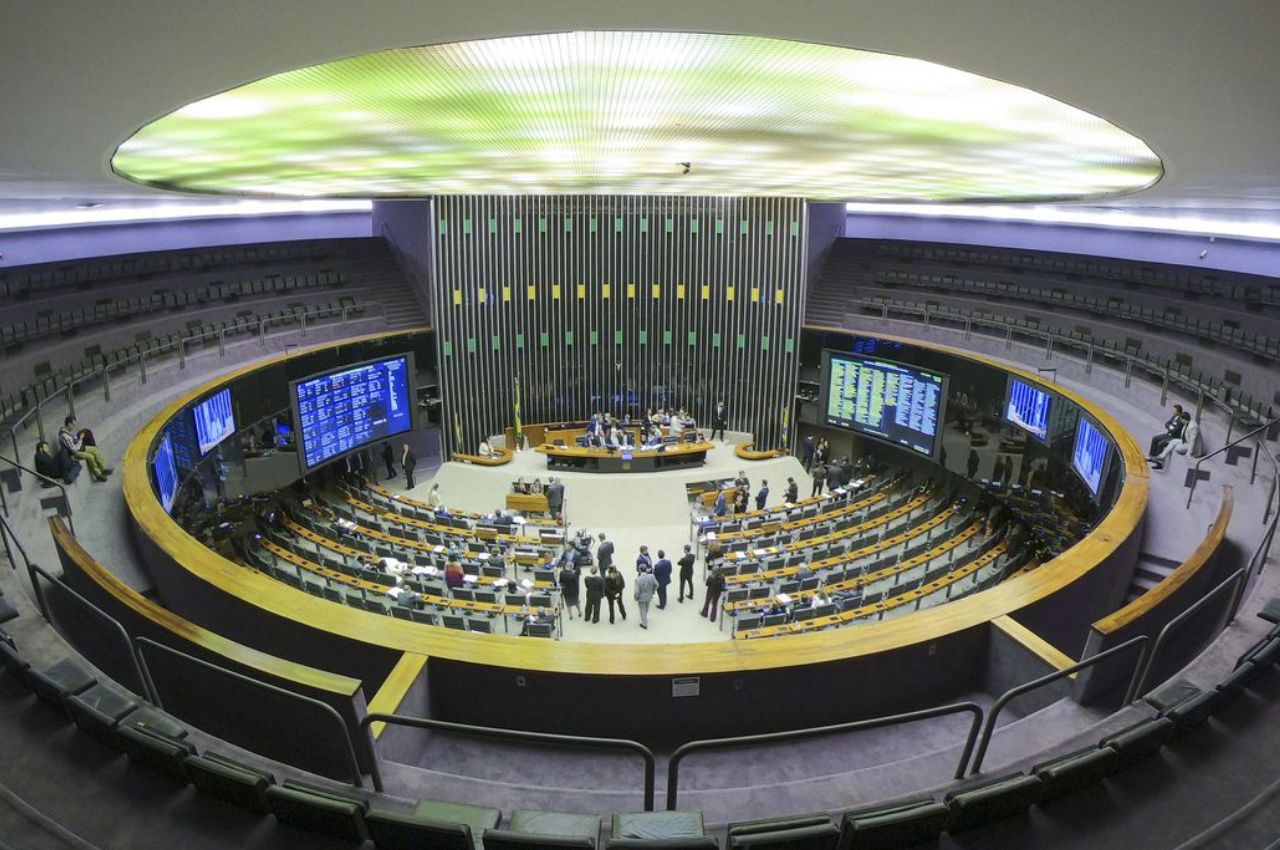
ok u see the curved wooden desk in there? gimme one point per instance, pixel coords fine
(747, 451)
(500, 457)
(579, 459)
(472, 675)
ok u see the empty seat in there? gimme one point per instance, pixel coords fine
(318, 810)
(448, 826)
(897, 825)
(1075, 771)
(704, 842)
(63, 679)
(156, 751)
(14, 664)
(999, 799)
(99, 710)
(536, 828)
(226, 779)
(1193, 711)
(656, 825)
(1139, 740)
(818, 836)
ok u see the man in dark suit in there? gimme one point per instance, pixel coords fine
(604, 554)
(555, 497)
(388, 458)
(807, 448)
(644, 561)
(793, 492)
(662, 572)
(719, 419)
(686, 563)
(1172, 431)
(819, 478)
(410, 462)
(614, 584)
(763, 495)
(595, 592)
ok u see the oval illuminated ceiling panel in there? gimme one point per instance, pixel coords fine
(637, 113)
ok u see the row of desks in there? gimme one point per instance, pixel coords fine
(799, 524)
(423, 506)
(880, 607)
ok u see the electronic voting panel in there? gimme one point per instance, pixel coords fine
(890, 401)
(342, 411)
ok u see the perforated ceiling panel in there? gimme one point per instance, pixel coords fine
(624, 112)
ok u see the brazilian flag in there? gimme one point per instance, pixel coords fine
(786, 422)
(515, 403)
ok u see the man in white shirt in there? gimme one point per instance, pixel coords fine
(73, 442)
(433, 498)
(1183, 445)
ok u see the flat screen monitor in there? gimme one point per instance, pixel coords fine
(894, 402)
(1089, 455)
(344, 410)
(215, 420)
(1027, 407)
(166, 473)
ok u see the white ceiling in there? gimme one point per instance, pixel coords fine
(1195, 80)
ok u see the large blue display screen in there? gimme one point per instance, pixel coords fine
(166, 473)
(1028, 408)
(1089, 455)
(339, 412)
(215, 420)
(880, 398)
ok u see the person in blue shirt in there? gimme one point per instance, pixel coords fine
(662, 572)
(644, 561)
(721, 507)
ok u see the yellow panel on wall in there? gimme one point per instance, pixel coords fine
(755, 294)
(728, 293)
(481, 293)
(457, 298)
(582, 291)
(506, 293)
(533, 292)
(706, 291)
(631, 290)
(778, 297)
(555, 292)
(604, 290)
(657, 290)
(680, 291)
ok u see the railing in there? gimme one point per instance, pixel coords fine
(511, 735)
(1234, 582)
(104, 371)
(356, 777)
(1013, 693)
(4, 502)
(1260, 448)
(673, 767)
(9, 539)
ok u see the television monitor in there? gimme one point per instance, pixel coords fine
(215, 420)
(1089, 455)
(344, 410)
(885, 400)
(165, 470)
(1027, 406)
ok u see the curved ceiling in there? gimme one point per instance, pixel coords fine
(1191, 79)
(634, 112)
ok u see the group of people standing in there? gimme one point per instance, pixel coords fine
(600, 579)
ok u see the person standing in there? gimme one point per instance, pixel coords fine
(972, 465)
(793, 492)
(569, 580)
(410, 462)
(555, 497)
(763, 495)
(719, 419)
(614, 584)
(434, 498)
(662, 573)
(807, 448)
(686, 571)
(646, 587)
(644, 561)
(715, 586)
(595, 590)
(604, 556)
(722, 506)
(388, 458)
(819, 478)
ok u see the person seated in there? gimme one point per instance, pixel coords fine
(70, 441)
(1184, 445)
(486, 450)
(1172, 431)
(519, 486)
(535, 488)
(740, 501)
(55, 467)
(653, 440)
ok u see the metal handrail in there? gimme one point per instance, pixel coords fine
(673, 767)
(34, 570)
(1013, 693)
(356, 777)
(1235, 581)
(515, 735)
(1196, 469)
(4, 504)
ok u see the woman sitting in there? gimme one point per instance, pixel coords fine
(536, 487)
(519, 486)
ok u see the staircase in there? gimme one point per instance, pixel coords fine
(1150, 571)
(374, 278)
(826, 305)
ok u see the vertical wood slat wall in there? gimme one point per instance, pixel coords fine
(617, 303)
